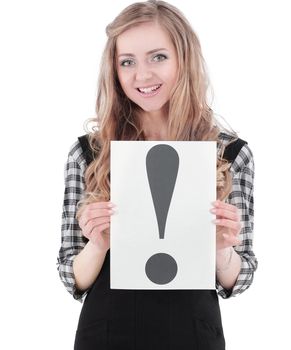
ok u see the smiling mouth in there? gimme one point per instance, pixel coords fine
(149, 90)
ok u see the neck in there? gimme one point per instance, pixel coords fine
(155, 137)
(155, 130)
(154, 125)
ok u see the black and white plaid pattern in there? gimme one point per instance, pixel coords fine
(241, 196)
(73, 242)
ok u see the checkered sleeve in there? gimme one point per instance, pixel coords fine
(72, 240)
(242, 196)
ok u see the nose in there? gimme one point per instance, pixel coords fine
(143, 73)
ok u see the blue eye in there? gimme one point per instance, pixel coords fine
(125, 63)
(156, 58)
(164, 57)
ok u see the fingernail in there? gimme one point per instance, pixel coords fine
(111, 205)
(213, 210)
(225, 235)
(216, 221)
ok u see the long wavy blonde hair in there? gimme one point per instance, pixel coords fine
(189, 116)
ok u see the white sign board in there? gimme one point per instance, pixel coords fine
(162, 235)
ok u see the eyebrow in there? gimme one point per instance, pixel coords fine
(149, 52)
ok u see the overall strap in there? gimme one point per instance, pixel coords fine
(230, 152)
(87, 152)
(233, 149)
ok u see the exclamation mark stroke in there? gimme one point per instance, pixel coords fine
(162, 164)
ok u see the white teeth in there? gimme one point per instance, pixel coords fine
(150, 89)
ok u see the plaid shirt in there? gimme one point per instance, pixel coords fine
(72, 240)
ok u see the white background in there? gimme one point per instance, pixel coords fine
(50, 53)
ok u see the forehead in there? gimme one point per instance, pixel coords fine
(142, 38)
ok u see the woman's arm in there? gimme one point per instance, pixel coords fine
(235, 271)
(87, 265)
(95, 224)
(72, 240)
(85, 242)
(228, 266)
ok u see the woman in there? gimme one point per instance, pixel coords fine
(152, 86)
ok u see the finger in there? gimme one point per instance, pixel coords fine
(96, 222)
(93, 214)
(100, 205)
(222, 205)
(227, 214)
(234, 225)
(96, 230)
(96, 206)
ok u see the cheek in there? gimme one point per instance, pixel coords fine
(168, 74)
(125, 82)
(174, 72)
(173, 80)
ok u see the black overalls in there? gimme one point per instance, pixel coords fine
(115, 319)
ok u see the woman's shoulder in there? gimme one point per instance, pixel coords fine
(227, 137)
(76, 154)
(238, 146)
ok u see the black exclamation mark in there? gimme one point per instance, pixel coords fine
(162, 163)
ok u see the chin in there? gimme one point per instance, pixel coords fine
(148, 108)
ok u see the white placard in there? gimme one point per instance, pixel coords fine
(185, 257)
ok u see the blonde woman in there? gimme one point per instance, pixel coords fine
(152, 86)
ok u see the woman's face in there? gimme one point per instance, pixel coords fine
(147, 65)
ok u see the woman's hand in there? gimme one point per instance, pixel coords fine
(228, 224)
(95, 224)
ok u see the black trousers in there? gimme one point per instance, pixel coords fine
(148, 319)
